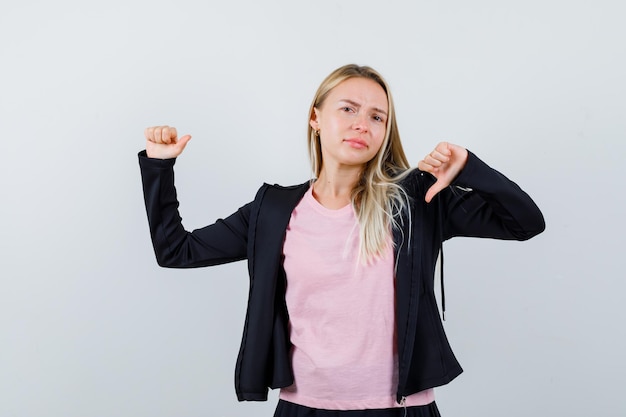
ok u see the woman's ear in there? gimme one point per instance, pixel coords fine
(313, 122)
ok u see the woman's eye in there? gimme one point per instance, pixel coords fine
(346, 109)
(377, 118)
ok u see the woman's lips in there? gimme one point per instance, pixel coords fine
(356, 143)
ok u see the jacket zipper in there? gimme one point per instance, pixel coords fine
(403, 404)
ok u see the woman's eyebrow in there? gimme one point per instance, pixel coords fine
(355, 104)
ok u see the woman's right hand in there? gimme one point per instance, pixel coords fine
(162, 142)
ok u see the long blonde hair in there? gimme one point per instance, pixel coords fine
(377, 198)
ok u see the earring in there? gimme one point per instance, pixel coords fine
(317, 132)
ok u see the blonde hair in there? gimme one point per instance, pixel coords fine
(377, 198)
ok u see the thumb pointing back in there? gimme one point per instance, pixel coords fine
(182, 142)
(434, 190)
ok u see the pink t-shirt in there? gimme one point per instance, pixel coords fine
(341, 313)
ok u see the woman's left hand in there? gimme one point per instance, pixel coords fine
(445, 162)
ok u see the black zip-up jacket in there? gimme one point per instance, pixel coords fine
(481, 203)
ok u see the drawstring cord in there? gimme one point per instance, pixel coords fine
(443, 292)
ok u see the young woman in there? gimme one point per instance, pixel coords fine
(341, 313)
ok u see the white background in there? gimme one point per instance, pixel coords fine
(90, 326)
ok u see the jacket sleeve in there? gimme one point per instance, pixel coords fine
(484, 203)
(221, 242)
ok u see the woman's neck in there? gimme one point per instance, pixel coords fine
(333, 187)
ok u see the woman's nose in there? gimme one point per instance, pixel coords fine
(360, 123)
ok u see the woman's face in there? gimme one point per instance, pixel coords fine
(351, 122)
